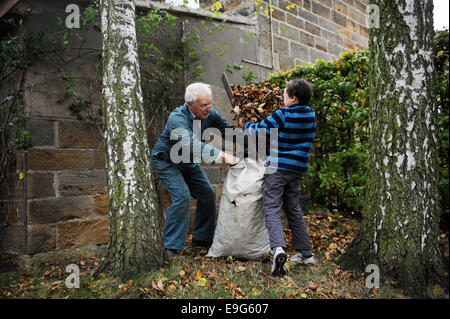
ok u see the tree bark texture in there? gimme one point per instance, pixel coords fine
(135, 227)
(400, 225)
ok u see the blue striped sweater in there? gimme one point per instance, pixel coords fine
(296, 126)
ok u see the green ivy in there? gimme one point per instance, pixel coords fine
(337, 176)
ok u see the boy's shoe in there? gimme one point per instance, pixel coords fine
(299, 258)
(279, 258)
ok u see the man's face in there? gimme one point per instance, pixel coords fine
(201, 106)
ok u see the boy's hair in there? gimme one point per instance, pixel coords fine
(301, 89)
(194, 89)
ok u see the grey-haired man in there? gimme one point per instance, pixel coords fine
(187, 178)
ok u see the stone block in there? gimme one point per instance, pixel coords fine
(349, 44)
(82, 183)
(278, 14)
(264, 56)
(316, 54)
(101, 204)
(344, 32)
(12, 239)
(307, 39)
(79, 134)
(307, 4)
(333, 37)
(325, 2)
(352, 25)
(55, 160)
(67, 256)
(280, 45)
(335, 49)
(364, 31)
(11, 211)
(41, 238)
(357, 16)
(321, 44)
(340, 6)
(42, 132)
(339, 18)
(312, 28)
(82, 233)
(308, 16)
(321, 10)
(264, 40)
(350, 2)
(295, 21)
(327, 24)
(289, 32)
(286, 62)
(59, 209)
(263, 23)
(359, 39)
(40, 185)
(284, 5)
(361, 6)
(299, 51)
(99, 160)
(301, 62)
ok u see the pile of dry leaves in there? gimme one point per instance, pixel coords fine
(254, 102)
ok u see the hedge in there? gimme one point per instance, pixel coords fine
(337, 176)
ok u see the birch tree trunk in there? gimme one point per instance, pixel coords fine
(400, 225)
(135, 227)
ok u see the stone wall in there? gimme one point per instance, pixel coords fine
(305, 30)
(60, 206)
(61, 203)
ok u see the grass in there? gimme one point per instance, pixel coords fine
(210, 278)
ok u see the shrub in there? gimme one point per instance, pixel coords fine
(337, 176)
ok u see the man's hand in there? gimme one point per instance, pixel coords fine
(241, 122)
(229, 159)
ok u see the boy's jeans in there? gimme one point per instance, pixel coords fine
(182, 181)
(282, 189)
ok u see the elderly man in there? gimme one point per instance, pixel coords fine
(187, 178)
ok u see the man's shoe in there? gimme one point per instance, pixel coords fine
(201, 243)
(300, 259)
(174, 254)
(279, 258)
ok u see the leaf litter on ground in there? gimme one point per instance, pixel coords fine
(224, 277)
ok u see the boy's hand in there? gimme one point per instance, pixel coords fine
(241, 122)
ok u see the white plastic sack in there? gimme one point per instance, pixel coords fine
(240, 229)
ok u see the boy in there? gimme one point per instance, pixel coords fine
(296, 126)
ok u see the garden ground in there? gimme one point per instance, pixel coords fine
(196, 276)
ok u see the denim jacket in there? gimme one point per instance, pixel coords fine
(187, 132)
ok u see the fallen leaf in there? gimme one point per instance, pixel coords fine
(313, 285)
(202, 282)
(287, 265)
(241, 268)
(199, 274)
